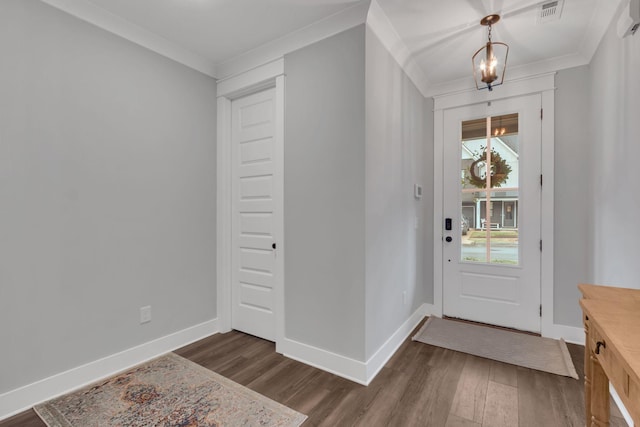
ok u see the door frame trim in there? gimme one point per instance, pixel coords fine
(544, 85)
(270, 75)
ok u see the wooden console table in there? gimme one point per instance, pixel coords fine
(612, 350)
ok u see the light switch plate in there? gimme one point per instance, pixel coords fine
(417, 191)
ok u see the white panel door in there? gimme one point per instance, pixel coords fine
(492, 169)
(254, 267)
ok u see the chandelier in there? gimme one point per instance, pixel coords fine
(490, 61)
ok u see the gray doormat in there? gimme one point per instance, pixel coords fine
(542, 354)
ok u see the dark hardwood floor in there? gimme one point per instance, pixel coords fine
(420, 386)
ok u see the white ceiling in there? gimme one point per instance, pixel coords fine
(443, 35)
(223, 29)
(438, 37)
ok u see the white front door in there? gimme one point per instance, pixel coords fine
(492, 162)
(255, 274)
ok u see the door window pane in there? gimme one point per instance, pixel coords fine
(489, 182)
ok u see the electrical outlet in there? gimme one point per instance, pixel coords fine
(145, 314)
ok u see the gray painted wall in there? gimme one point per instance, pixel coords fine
(571, 192)
(395, 161)
(324, 194)
(107, 182)
(596, 204)
(614, 127)
(107, 176)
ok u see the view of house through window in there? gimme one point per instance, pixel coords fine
(489, 186)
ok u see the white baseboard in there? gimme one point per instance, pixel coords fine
(616, 398)
(351, 369)
(23, 398)
(570, 334)
(342, 366)
(431, 310)
(388, 349)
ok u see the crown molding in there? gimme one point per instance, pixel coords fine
(362, 12)
(112, 23)
(518, 73)
(381, 26)
(319, 30)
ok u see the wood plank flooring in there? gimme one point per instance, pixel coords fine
(421, 385)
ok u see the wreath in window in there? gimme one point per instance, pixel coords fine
(500, 170)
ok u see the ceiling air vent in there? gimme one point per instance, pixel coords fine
(550, 11)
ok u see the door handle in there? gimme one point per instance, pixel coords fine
(273, 246)
(448, 239)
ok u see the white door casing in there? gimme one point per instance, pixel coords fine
(544, 85)
(267, 77)
(499, 294)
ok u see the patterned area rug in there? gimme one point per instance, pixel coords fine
(168, 391)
